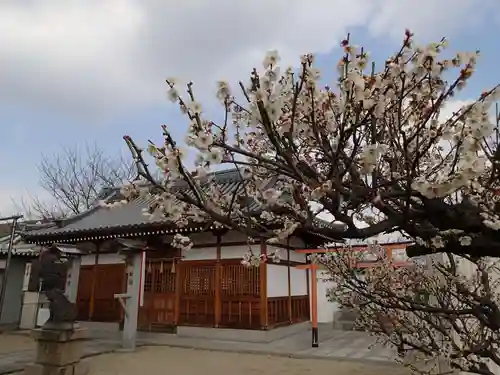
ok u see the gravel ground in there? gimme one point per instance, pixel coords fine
(162, 360)
(10, 343)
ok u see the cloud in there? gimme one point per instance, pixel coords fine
(97, 57)
(429, 18)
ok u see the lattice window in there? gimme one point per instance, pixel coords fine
(238, 280)
(164, 279)
(148, 280)
(199, 280)
(159, 278)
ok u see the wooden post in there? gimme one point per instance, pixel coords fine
(179, 272)
(312, 268)
(264, 318)
(218, 287)
(143, 278)
(308, 286)
(290, 316)
(94, 284)
(314, 307)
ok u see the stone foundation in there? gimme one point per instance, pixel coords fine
(344, 320)
(58, 352)
(243, 335)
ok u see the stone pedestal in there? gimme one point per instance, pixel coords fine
(58, 352)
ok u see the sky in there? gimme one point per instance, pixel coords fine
(75, 72)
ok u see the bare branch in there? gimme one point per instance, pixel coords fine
(74, 178)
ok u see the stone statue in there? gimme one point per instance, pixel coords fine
(51, 271)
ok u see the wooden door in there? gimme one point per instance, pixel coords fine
(197, 293)
(110, 280)
(158, 310)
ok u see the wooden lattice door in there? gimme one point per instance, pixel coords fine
(240, 296)
(158, 310)
(197, 293)
(109, 280)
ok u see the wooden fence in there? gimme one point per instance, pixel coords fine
(237, 305)
(286, 310)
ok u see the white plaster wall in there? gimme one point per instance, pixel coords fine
(278, 275)
(234, 236)
(297, 257)
(200, 254)
(231, 252)
(273, 249)
(29, 311)
(298, 281)
(209, 239)
(210, 252)
(227, 252)
(294, 256)
(326, 309)
(277, 281)
(89, 260)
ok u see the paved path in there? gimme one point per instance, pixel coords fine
(333, 344)
(338, 345)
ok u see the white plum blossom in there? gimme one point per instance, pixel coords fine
(465, 240)
(373, 152)
(252, 260)
(182, 242)
(371, 133)
(214, 156)
(370, 156)
(437, 242)
(172, 95)
(271, 59)
(415, 289)
(271, 196)
(195, 107)
(223, 91)
(203, 141)
(276, 256)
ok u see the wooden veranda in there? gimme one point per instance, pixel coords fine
(211, 293)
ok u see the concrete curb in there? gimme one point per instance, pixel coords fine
(276, 354)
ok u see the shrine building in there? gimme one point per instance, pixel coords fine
(206, 286)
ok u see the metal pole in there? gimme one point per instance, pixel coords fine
(9, 256)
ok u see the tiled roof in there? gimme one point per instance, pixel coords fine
(126, 216)
(382, 239)
(129, 216)
(19, 248)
